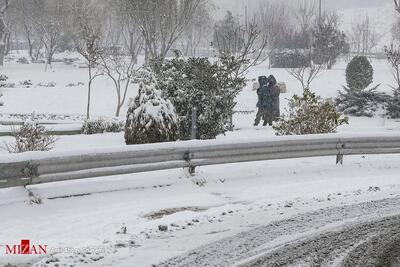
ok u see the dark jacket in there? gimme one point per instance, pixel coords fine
(274, 93)
(263, 93)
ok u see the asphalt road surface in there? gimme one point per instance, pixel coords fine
(365, 234)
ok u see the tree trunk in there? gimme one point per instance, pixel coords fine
(89, 91)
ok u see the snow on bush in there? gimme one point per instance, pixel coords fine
(1, 102)
(31, 136)
(98, 126)
(22, 60)
(211, 88)
(309, 114)
(290, 58)
(393, 57)
(150, 117)
(393, 105)
(356, 99)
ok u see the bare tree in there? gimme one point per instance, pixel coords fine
(4, 32)
(121, 70)
(25, 13)
(273, 21)
(397, 5)
(48, 24)
(306, 74)
(393, 57)
(245, 42)
(363, 35)
(117, 65)
(305, 14)
(197, 31)
(162, 23)
(88, 40)
(131, 36)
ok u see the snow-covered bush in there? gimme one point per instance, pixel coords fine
(393, 105)
(356, 99)
(211, 88)
(22, 60)
(361, 102)
(359, 73)
(97, 126)
(3, 77)
(393, 57)
(31, 136)
(26, 84)
(290, 58)
(309, 114)
(1, 102)
(150, 117)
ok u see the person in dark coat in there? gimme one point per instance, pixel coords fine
(268, 101)
(274, 93)
(262, 105)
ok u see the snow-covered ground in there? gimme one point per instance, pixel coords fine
(71, 101)
(218, 202)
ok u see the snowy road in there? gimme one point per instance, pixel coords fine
(365, 234)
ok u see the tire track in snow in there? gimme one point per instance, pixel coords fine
(339, 236)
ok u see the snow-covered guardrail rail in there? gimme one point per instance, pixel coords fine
(45, 167)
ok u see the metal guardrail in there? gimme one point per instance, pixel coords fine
(46, 167)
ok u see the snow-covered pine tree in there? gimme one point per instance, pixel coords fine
(150, 117)
(356, 99)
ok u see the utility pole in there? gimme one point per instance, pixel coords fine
(320, 13)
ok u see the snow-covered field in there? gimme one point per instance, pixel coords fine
(71, 101)
(218, 202)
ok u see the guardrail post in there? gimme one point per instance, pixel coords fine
(339, 156)
(193, 134)
(187, 157)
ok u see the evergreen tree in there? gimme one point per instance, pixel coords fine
(150, 117)
(330, 42)
(359, 73)
(211, 88)
(356, 99)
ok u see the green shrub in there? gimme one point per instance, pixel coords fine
(290, 58)
(98, 126)
(309, 114)
(211, 88)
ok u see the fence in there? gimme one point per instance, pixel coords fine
(45, 167)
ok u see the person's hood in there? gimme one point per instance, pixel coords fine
(262, 80)
(271, 80)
